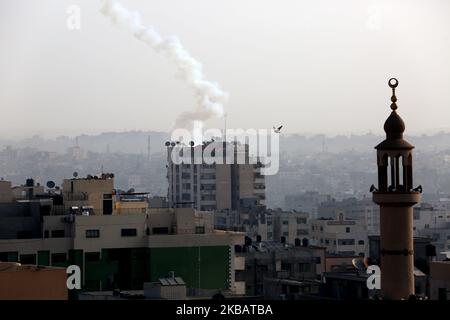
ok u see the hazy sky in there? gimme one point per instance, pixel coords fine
(314, 66)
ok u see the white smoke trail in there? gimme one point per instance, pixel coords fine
(210, 97)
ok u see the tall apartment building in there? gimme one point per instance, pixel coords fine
(227, 186)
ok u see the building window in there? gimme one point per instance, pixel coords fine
(58, 258)
(129, 232)
(57, 233)
(346, 242)
(347, 230)
(199, 229)
(28, 259)
(46, 234)
(285, 266)
(160, 230)
(185, 176)
(361, 242)
(318, 260)
(285, 234)
(93, 233)
(186, 186)
(301, 221)
(285, 222)
(304, 267)
(263, 268)
(26, 234)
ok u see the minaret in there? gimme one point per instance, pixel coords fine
(396, 197)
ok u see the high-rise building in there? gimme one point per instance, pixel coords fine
(396, 197)
(226, 186)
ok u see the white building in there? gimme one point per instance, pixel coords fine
(340, 235)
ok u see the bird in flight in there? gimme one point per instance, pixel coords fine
(277, 130)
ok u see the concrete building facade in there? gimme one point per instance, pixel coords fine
(340, 235)
(127, 250)
(216, 186)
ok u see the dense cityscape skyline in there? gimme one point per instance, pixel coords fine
(326, 175)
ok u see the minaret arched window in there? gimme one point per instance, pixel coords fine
(394, 153)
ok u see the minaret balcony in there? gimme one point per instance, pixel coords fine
(408, 198)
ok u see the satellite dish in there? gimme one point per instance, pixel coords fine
(50, 184)
(359, 264)
(75, 174)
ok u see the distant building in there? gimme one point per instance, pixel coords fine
(290, 227)
(353, 208)
(158, 202)
(130, 203)
(6, 194)
(27, 191)
(93, 192)
(340, 235)
(30, 282)
(23, 219)
(275, 270)
(306, 202)
(440, 280)
(440, 238)
(426, 216)
(228, 186)
(266, 224)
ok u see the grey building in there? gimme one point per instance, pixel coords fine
(277, 271)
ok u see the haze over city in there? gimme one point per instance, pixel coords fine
(316, 67)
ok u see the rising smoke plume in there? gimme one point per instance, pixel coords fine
(210, 98)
